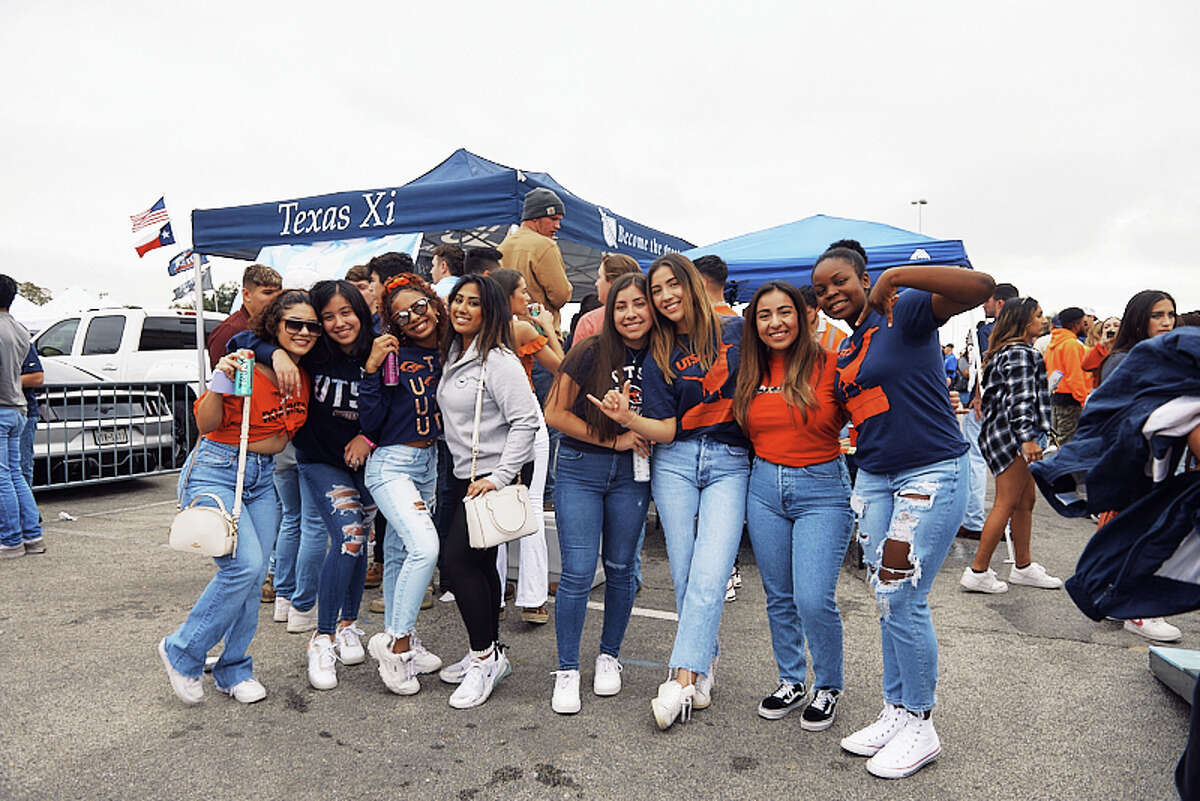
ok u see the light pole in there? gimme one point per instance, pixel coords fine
(919, 204)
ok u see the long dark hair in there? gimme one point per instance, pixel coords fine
(267, 325)
(800, 359)
(1011, 324)
(327, 350)
(1136, 319)
(703, 324)
(608, 351)
(414, 282)
(496, 328)
(508, 280)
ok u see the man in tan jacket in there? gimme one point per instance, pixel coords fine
(531, 251)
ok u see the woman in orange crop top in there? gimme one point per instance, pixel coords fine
(228, 607)
(798, 501)
(535, 339)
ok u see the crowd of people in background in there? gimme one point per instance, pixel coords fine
(823, 413)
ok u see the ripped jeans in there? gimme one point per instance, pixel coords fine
(923, 508)
(403, 481)
(335, 524)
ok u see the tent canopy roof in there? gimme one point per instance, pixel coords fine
(787, 252)
(463, 192)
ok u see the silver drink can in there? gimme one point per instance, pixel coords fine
(641, 467)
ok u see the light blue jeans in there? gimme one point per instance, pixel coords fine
(287, 541)
(800, 520)
(18, 510)
(978, 475)
(922, 507)
(340, 501)
(403, 480)
(228, 607)
(699, 488)
(599, 509)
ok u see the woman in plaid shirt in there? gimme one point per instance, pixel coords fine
(1016, 420)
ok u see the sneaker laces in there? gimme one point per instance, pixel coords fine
(561, 680)
(824, 700)
(784, 690)
(606, 663)
(326, 653)
(346, 632)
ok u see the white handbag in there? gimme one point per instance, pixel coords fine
(206, 530)
(504, 514)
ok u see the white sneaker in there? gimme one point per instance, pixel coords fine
(398, 671)
(607, 679)
(280, 613)
(981, 582)
(454, 674)
(424, 660)
(674, 701)
(187, 689)
(1154, 628)
(868, 741)
(912, 748)
(322, 662)
(246, 692)
(478, 683)
(730, 590)
(566, 692)
(348, 642)
(1034, 575)
(704, 686)
(299, 622)
(446, 597)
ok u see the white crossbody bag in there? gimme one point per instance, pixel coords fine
(504, 514)
(207, 530)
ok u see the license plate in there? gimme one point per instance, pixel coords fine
(118, 437)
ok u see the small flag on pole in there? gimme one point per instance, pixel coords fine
(185, 260)
(189, 286)
(165, 237)
(155, 215)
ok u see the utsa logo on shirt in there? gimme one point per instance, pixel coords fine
(861, 402)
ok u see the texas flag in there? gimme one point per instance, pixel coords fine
(165, 237)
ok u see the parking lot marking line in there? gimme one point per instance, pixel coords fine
(637, 610)
(126, 509)
(96, 535)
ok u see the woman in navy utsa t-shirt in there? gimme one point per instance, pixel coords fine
(699, 470)
(911, 458)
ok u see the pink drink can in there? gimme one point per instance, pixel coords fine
(391, 370)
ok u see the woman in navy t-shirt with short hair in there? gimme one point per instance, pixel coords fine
(909, 495)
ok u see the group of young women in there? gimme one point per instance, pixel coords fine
(740, 419)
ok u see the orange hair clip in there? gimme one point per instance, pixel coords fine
(395, 282)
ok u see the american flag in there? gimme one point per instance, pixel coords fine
(155, 215)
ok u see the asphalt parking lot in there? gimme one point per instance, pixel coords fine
(1035, 701)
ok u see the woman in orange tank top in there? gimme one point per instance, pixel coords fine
(228, 607)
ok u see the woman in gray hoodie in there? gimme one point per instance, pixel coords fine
(481, 339)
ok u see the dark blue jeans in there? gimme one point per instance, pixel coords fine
(339, 510)
(599, 509)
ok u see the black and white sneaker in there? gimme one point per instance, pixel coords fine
(818, 715)
(786, 698)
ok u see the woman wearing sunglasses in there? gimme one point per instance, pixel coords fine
(228, 607)
(336, 508)
(404, 421)
(480, 349)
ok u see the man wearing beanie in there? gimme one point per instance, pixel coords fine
(531, 251)
(1064, 364)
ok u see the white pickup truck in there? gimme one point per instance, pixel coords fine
(128, 344)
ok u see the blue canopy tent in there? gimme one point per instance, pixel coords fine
(787, 252)
(465, 200)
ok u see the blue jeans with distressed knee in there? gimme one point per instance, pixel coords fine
(337, 501)
(922, 507)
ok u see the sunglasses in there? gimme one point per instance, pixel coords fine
(418, 309)
(296, 326)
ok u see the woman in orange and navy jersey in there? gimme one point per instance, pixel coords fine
(228, 607)
(798, 502)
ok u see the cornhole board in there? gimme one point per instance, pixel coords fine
(1177, 668)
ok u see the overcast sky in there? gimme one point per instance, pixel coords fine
(1057, 140)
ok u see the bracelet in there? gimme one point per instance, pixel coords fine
(372, 444)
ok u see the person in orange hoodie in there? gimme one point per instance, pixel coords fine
(1069, 384)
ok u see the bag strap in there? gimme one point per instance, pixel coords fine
(241, 477)
(478, 414)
